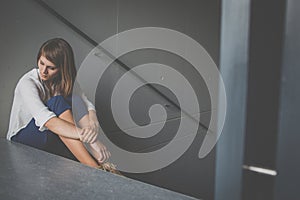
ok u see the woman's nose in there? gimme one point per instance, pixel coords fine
(44, 70)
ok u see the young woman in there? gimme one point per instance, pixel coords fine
(42, 111)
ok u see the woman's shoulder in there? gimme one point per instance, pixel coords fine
(30, 77)
(31, 74)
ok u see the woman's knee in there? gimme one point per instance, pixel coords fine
(78, 107)
(58, 104)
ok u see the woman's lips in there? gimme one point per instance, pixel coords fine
(43, 76)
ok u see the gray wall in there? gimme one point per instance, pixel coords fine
(28, 24)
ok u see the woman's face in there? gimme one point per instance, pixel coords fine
(48, 70)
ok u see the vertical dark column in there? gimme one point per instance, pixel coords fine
(288, 150)
(233, 66)
(265, 58)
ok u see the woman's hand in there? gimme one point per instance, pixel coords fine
(100, 152)
(89, 127)
(93, 121)
(91, 124)
(87, 134)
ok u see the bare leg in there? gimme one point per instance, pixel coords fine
(98, 150)
(75, 146)
(84, 122)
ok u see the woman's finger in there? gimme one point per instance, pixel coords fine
(83, 135)
(94, 139)
(102, 157)
(91, 136)
(107, 155)
(88, 135)
(94, 136)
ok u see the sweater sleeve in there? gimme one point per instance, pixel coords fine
(29, 93)
(78, 91)
(88, 104)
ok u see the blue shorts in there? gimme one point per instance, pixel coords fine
(47, 140)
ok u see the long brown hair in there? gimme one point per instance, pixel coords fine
(60, 53)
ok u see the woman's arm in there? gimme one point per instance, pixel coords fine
(44, 118)
(69, 130)
(93, 121)
(63, 128)
(90, 120)
(98, 150)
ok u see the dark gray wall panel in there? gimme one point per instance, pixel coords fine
(145, 96)
(265, 56)
(96, 18)
(155, 142)
(100, 19)
(257, 186)
(199, 19)
(189, 174)
(265, 59)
